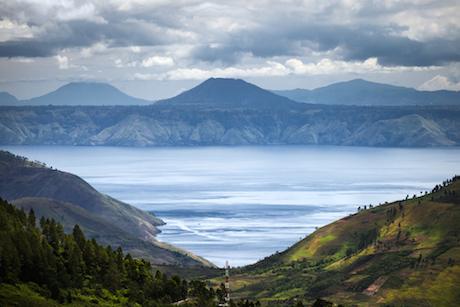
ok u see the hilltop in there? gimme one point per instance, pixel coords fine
(405, 253)
(366, 93)
(70, 200)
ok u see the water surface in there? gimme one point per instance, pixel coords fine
(244, 203)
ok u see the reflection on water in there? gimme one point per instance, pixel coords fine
(244, 203)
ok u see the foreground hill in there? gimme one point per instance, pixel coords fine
(365, 93)
(41, 266)
(70, 200)
(405, 253)
(85, 93)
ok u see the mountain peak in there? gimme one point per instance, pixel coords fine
(226, 92)
(361, 83)
(6, 99)
(86, 84)
(364, 92)
(86, 93)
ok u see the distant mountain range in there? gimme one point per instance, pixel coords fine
(364, 93)
(78, 93)
(238, 93)
(70, 200)
(231, 112)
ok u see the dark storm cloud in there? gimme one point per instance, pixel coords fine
(274, 30)
(81, 33)
(110, 26)
(355, 43)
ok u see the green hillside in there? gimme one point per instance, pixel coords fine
(405, 253)
(70, 200)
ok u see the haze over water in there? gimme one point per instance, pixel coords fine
(244, 203)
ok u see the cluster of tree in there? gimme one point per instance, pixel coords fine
(12, 159)
(445, 183)
(364, 208)
(61, 263)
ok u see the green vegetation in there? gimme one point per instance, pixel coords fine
(405, 253)
(43, 266)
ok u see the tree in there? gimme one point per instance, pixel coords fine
(31, 218)
(78, 236)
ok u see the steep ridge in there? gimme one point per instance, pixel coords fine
(168, 125)
(405, 253)
(362, 92)
(71, 200)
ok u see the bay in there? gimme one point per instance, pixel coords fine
(244, 203)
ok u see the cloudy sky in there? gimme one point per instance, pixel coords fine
(154, 49)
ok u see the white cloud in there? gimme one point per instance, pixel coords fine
(10, 30)
(22, 60)
(270, 70)
(94, 49)
(63, 61)
(118, 63)
(327, 66)
(135, 49)
(275, 69)
(158, 61)
(194, 39)
(87, 11)
(439, 82)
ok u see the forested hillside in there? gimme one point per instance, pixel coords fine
(40, 265)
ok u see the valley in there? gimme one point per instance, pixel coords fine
(229, 153)
(222, 202)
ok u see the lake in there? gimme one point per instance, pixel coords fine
(244, 203)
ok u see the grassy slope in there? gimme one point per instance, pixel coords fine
(370, 258)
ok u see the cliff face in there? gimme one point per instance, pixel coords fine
(173, 125)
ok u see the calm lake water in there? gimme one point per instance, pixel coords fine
(244, 203)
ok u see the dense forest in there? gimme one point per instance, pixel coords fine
(40, 265)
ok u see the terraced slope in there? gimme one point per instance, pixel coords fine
(405, 253)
